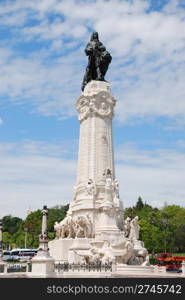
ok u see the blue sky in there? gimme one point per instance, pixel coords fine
(42, 63)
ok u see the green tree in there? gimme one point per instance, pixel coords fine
(139, 204)
(180, 238)
(56, 214)
(11, 224)
(7, 241)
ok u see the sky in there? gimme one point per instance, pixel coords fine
(42, 63)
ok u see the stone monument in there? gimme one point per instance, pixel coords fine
(94, 229)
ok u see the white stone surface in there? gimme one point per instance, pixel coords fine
(136, 269)
(94, 87)
(183, 267)
(43, 266)
(159, 269)
(59, 249)
(79, 249)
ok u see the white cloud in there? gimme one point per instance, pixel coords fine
(29, 176)
(36, 173)
(46, 87)
(156, 175)
(147, 72)
(1, 121)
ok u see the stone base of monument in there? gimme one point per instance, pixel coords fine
(59, 249)
(69, 250)
(79, 249)
(42, 265)
(124, 269)
(3, 266)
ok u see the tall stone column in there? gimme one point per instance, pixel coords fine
(43, 263)
(96, 192)
(43, 238)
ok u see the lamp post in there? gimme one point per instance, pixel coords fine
(32, 237)
(152, 222)
(1, 240)
(25, 237)
(165, 224)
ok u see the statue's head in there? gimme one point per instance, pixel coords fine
(94, 36)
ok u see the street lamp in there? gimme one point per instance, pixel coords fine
(165, 224)
(1, 239)
(25, 237)
(152, 222)
(32, 237)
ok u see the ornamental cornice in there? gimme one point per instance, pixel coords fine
(100, 104)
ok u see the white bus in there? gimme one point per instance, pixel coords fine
(22, 254)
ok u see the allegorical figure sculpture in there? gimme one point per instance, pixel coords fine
(127, 226)
(74, 227)
(134, 229)
(98, 60)
(90, 188)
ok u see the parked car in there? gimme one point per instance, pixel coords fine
(7, 255)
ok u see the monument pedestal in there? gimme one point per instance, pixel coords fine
(3, 266)
(59, 249)
(124, 269)
(43, 263)
(43, 266)
(79, 250)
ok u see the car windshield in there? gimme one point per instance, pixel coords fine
(6, 253)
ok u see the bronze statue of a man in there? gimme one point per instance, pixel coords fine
(98, 60)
